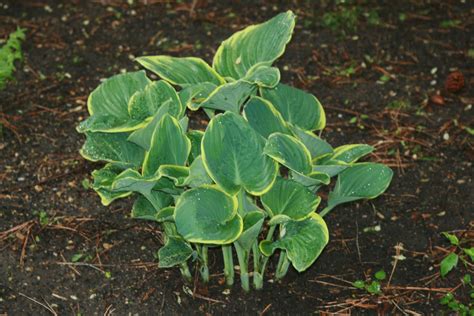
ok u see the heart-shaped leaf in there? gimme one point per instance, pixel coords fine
(208, 215)
(182, 71)
(288, 151)
(361, 181)
(297, 106)
(253, 45)
(233, 155)
(290, 198)
(303, 241)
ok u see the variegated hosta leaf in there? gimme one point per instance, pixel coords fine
(132, 180)
(230, 96)
(264, 118)
(297, 106)
(233, 155)
(182, 71)
(103, 179)
(142, 136)
(288, 151)
(111, 96)
(176, 173)
(106, 123)
(108, 104)
(195, 137)
(255, 44)
(208, 215)
(174, 252)
(349, 153)
(263, 75)
(290, 198)
(331, 167)
(361, 181)
(197, 174)
(145, 103)
(253, 222)
(303, 241)
(169, 146)
(312, 180)
(112, 147)
(144, 209)
(193, 95)
(317, 147)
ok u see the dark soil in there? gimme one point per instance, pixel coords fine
(382, 82)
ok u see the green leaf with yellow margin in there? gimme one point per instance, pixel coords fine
(111, 96)
(297, 107)
(361, 181)
(288, 151)
(169, 146)
(290, 198)
(181, 71)
(112, 147)
(230, 96)
(146, 103)
(174, 252)
(233, 155)
(264, 118)
(255, 44)
(303, 241)
(263, 75)
(317, 147)
(208, 215)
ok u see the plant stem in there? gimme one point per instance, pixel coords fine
(228, 264)
(185, 272)
(204, 267)
(263, 266)
(283, 265)
(257, 277)
(325, 211)
(243, 258)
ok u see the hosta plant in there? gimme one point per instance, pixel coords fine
(249, 183)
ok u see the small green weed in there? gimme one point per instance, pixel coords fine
(374, 286)
(9, 53)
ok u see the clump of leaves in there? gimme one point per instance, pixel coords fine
(458, 253)
(249, 182)
(10, 52)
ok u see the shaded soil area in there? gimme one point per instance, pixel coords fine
(380, 71)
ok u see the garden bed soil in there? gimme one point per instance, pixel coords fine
(382, 82)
